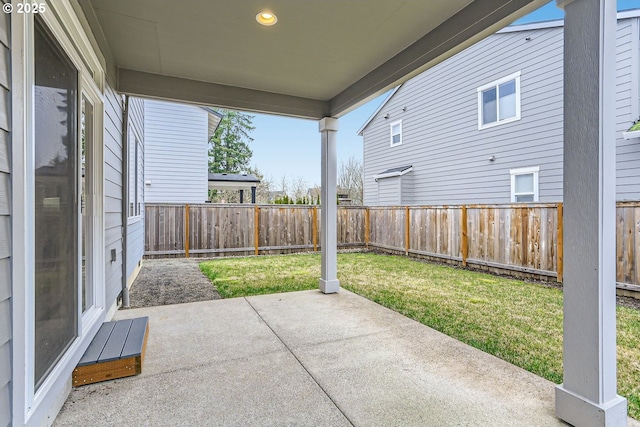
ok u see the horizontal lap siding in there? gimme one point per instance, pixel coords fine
(113, 192)
(627, 110)
(450, 156)
(389, 191)
(175, 153)
(5, 226)
(135, 230)
(441, 140)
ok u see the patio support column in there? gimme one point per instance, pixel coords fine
(329, 212)
(588, 396)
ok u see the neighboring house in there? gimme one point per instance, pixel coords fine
(176, 148)
(441, 137)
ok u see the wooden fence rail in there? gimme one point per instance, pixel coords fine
(524, 239)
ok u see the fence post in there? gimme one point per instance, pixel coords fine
(560, 244)
(186, 230)
(256, 229)
(406, 230)
(314, 229)
(367, 224)
(465, 237)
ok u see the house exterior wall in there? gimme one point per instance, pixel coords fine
(5, 227)
(12, 383)
(450, 155)
(175, 153)
(389, 191)
(113, 192)
(627, 108)
(135, 228)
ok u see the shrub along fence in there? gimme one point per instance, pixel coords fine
(521, 239)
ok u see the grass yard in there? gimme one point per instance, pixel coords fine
(517, 321)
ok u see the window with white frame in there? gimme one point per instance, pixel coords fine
(499, 101)
(524, 184)
(62, 102)
(135, 175)
(395, 133)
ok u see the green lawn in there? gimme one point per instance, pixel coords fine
(517, 321)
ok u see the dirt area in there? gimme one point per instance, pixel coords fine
(170, 281)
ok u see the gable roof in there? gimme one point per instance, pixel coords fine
(382, 104)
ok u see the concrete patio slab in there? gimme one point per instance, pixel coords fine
(305, 358)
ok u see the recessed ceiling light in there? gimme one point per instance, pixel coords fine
(266, 18)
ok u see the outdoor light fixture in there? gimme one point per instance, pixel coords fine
(266, 18)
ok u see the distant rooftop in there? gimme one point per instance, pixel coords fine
(230, 177)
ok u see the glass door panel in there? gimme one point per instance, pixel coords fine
(56, 202)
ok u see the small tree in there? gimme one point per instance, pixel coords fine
(350, 180)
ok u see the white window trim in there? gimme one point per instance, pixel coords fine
(30, 406)
(515, 76)
(391, 125)
(535, 170)
(136, 143)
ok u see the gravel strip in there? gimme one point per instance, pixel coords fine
(170, 281)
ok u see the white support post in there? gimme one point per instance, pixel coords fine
(329, 212)
(588, 396)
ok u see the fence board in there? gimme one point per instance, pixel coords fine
(520, 237)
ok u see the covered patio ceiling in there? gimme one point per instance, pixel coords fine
(322, 58)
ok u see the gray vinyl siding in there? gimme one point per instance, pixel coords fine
(175, 153)
(135, 228)
(113, 192)
(627, 81)
(406, 189)
(389, 191)
(5, 226)
(450, 156)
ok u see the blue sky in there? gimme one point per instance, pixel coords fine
(291, 147)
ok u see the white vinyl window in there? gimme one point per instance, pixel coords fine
(499, 101)
(395, 133)
(524, 184)
(135, 175)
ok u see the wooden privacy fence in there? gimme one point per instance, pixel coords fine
(517, 238)
(209, 230)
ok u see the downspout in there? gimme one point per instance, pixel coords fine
(125, 195)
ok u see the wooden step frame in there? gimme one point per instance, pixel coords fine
(117, 351)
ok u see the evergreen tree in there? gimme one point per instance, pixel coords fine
(229, 150)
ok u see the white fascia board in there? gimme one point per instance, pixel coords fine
(532, 26)
(631, 135)
(392, 174)
(377, 110)
(625, 14)
(231, 185)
